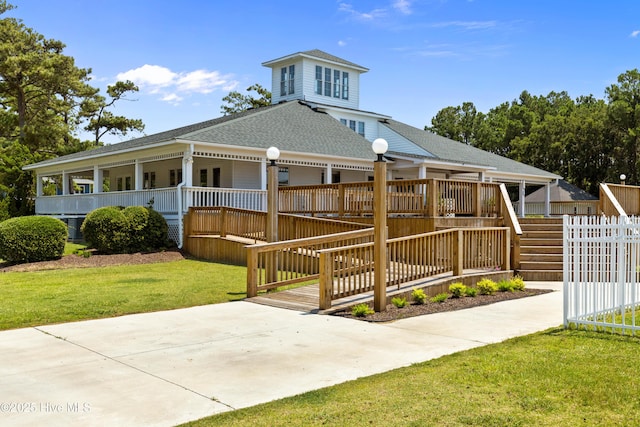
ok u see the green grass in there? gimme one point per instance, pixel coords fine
(54, 296)
(555, 378)
(71, 248)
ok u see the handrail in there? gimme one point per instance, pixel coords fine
(511, 221)
(609, 205)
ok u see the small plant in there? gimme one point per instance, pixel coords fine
(440, 297)
(471, 292)
(361, 310)
(419, 296)
(399, 302)
(457, 290)
(518, 283)
(505, 286)
(486, 287)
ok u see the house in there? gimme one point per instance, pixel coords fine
(315, 120)
(561, 198)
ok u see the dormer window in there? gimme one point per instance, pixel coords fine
(334, 83)
(287, 80)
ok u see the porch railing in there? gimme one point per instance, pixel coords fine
(349, 270)
(431, 197)
(586, 207)
(164, 200)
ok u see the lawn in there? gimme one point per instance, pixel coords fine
(553, 378)
(54, 296)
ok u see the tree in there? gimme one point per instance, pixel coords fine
(101, 121)
(458, 123)
(41, 96)
(237, 102)
(623, 114)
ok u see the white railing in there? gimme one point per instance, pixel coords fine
(602, 273)
(164, 200)
(233, 198)
(560, 208)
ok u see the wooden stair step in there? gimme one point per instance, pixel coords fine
(541, 275)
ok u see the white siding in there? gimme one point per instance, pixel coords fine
(301, 175)
(246, 175)
(298, 83)
(399, 143)
(309, 92)
(370, 124)
(353, 176)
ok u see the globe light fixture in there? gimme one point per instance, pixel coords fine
(273, 154)
(379, 146)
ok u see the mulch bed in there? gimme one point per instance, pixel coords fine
(410, 310)
(95, 260)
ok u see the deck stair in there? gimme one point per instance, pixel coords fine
(541, 249)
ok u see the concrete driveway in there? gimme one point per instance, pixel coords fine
(166, 368)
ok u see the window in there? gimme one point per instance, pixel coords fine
(127, 183)
(203, 177)
(343, 121)
(287, 80)
(327, 82)
(335, 177)
(175, 177)
(283, 176)
(318, 80)
(345, 85)
(361, 128)
(216, 177)
(355, 126)
(149, 180)
(119, 184)
(292, 72)
(336, 84)
(352, 125)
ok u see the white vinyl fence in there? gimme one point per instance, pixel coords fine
(601, 273)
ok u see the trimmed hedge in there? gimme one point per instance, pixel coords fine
(32, 239)
(113, 229)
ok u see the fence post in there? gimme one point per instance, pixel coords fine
(477, 199)
(506, 242)
(432, 198)
(458, 252)
(223, 222)
(340, 200)
(326, 281)
(252, 272)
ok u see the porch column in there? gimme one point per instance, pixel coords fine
(547, 200)
(65, 183)
(138, 176)
(38, 185)
(521, 208)
(187, 176)
(481, 177)
(422, 172)
(263, 174)
(98, 178)
(328, 178)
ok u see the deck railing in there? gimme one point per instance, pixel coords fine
(274, 265)
(619, 200)
(584, 207)
(349, 270)
(431, 197)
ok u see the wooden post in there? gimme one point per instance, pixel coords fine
(326, 281)
(380, 234)
(341, 201)
(432, 198)
(252, 272)
(458, 252)
(477, 195)
(271, 233)
(223, 222)
(507, 250)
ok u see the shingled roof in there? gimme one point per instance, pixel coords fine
(291, 126)
(447, 149)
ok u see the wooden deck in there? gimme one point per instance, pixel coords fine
(306, 298)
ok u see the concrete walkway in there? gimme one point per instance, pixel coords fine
(166, 368)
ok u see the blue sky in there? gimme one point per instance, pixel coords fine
(423, 55)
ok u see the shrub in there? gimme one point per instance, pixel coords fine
(518, 283)
(419, 296)
(457, 290)
(399, 302)
(361, 310)
(32, 238)
(106, 229)
(505, 286)
(486, 287)
(125, 230)
(440, 297)
(471, 291)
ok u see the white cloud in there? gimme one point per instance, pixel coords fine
(635, 33)
(173, 85)
(466, 25)
(362, 16)
(342, 43)
(403, 6)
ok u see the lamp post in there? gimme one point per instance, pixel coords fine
(379, 146)
(623, 178)
(271, 233)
